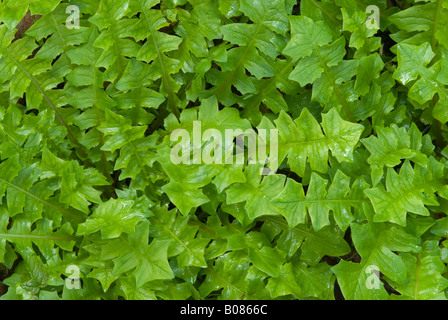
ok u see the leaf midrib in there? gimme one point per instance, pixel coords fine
(268, 86)
(60, 210)
(36, 237)
(417, 276)
(225, 281)
(47, 99)
(241, 60)
(174, 236)
(327, 72)
(162, 66)
(435, 24)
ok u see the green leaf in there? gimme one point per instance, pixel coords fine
(415, 189)
(391, 146)
(189, 249)
(149, 261)
(272, 14)
(267, 260)
(319, 201)
(426, 18)
(425, 280)
(125, 168)
(229, 273)
(314, 245)
(256, 194)
(284, 283)
(302, 141)
(60, 38)
(76, 184)
(112, 218)
(376, 245)
(413, 65)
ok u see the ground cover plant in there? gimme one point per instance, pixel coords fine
(94, 205)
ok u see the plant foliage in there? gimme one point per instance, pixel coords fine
(86, 116)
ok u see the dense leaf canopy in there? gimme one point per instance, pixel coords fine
(356, 207)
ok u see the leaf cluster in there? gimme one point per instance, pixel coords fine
(86, 180)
